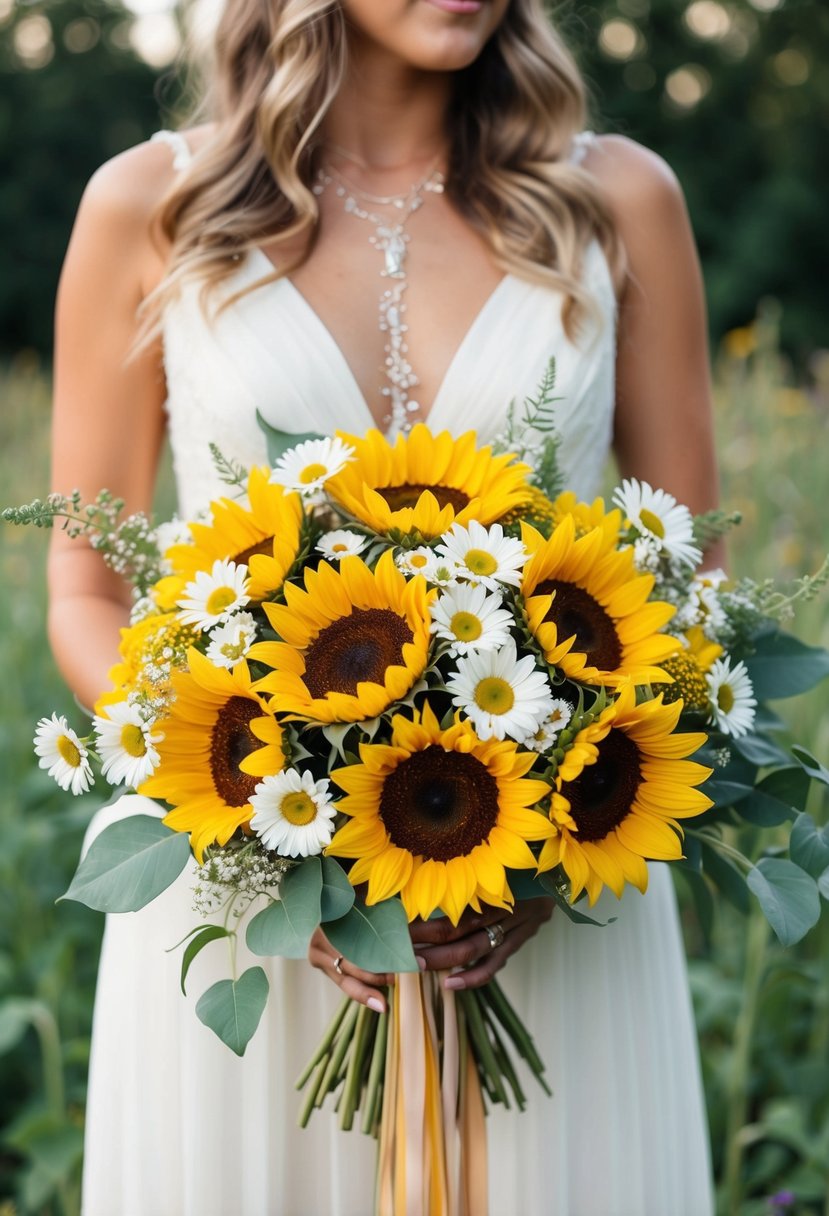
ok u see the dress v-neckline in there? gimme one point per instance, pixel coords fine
(336, 352)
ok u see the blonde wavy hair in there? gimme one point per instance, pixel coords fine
(277, 67)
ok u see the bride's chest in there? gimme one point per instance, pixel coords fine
(397, 296)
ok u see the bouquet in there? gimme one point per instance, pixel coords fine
(380, 682)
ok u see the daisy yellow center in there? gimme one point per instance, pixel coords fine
(652, 522)
(298, 808)
(231, 740)
(418, 561)
(602, 796)
(466, 626)
(478, 561)
(233, 650)
(408, 494)
(355, 649)
(68, 751)
(438, 804)
(219, 600)
(494, 695)
(725, 698)
(576, 613)
(312, 472)
(133, 741)
(339, 547)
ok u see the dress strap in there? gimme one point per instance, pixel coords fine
(182, 155)
(583, 141)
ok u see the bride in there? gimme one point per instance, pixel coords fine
(394, 215)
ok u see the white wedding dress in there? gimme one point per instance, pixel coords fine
(177, 1125)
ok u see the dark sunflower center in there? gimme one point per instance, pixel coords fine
(602, 795)
(439, 804)
(264, 546)
(407, 495)
(575, 611)
(230, 741)
(355, 648)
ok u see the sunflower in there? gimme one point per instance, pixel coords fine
(587, 606)
(619, 793)
(220, 738)
(151, 650)
(353, 642)
(437, 815)
(264, 536)
(425, 482)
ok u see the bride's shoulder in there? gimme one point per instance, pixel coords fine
(636, 181)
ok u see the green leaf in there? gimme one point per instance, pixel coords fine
(760, 751)
(286, 925)
(789, 784)
(726, 876)
(725, 793)
(823, 884)
(279, 442)
(811, 764)
(764, 809)
(201, 938)
(375, 938)
(232, 1008)
(337, 892)
(128, 865)
(17, 1014)
(788, 896)
(809, 845)
(549, 882)
(783, 666)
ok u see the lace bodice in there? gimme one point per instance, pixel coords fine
(270, 352)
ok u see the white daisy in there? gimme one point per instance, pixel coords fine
(341, 543)
(501, 694)
(415, 561)
(657, 514)
(308, 466)
(62, 754)
(551, 727)
(471, 619)
(126, 745)
(732, 697)
(483, 555)
(293, 814)
(711, 613)
(213, 598)
(230, 642)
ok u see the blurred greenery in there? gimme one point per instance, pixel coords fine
(735, 95)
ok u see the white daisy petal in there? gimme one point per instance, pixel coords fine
(659, 518)
(483, 555)
(341, 543)
(470, 619)
(293, 813)
(231, 641)
(732, 697)
(126, 745)
(306, 467)
(502, 696)
(62, 754)
(549, 730)
(212, 598)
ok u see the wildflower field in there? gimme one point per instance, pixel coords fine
(762, 1012)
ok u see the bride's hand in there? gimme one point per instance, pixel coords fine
(442, 946)
(364, 986)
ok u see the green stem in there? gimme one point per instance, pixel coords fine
(716, 842)
(737, 1108)
(494, 994)
(482, 1045)
(338, 1055)
(355, 1072)
(325, 1043)
(51, 1055)
(376, 1073)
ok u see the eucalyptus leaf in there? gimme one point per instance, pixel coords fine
(128, 865)
(765, 810)
(285, 926)
(374, 937)
(232, 1008)
(809, 845)
(811, 764)
(760, 751)
(788, 896)
(725, 793)
(200, 939)
(337, 894)
(783, 666)
(549, 883)
(279, 442)
(823, 884)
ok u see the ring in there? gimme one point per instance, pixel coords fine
(338, 965)
(495, 933)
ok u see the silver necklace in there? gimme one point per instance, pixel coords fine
(391, 239)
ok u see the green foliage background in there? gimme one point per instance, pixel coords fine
(748, 153)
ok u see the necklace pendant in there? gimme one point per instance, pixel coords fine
(395, 252)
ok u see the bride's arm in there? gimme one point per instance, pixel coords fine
(663, 435)
(108, 415)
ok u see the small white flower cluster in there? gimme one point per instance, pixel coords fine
(229, 872)
(173, 531)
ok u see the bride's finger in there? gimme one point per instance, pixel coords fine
(467, 950)
(489, 964)
(441, 931)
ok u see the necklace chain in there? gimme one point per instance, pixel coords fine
(391, 239)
